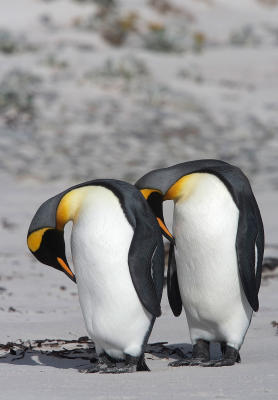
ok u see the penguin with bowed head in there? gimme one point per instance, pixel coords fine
(215, 262)
(118, 260)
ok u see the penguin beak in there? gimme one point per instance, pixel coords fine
(155, 199)
(66, 269)
(165, 231)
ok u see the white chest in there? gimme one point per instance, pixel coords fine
(205, 228)
(101, 239)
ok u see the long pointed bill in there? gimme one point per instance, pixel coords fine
(165, 230)
(66, 269)
(154, 198)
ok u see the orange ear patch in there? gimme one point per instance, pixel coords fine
(35, 238)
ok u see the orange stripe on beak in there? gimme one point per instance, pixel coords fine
(65, 267)
(164, 228)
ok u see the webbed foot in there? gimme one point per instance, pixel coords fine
(98, 365)
(230, 357)
(219, 363)
(200, 355)
(90, 370)
(124, 369)
(108, 365)
(189, 362)
(129, 365)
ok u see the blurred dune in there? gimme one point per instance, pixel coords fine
(110, 88)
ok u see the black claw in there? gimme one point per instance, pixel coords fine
(225, 362)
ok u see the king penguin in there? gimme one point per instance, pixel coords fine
(118, 260)
(215, 262)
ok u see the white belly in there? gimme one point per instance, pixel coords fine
(101, 237)
(205, 228)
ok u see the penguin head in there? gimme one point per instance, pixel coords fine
(48, 246)
(173, 183)
(45, 238)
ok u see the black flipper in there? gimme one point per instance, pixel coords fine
(249, 240)
(145, 260)
(259, 245)
(173, 290)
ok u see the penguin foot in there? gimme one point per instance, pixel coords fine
(200, 355)
(119, 370)
(231, 356)
(129, 365)
(90, 370)
(107, 365)
(102, 363)
(224, 362)
(189, 362)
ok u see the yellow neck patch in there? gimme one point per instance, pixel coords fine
(69, 206)
(183, 187)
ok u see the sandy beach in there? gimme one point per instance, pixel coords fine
(38, 302)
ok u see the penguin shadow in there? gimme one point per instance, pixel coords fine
(56, 353)
(167, 352)
(178, 351)
(78, 354)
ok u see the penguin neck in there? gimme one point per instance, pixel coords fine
(70, 205)
(184, 187)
